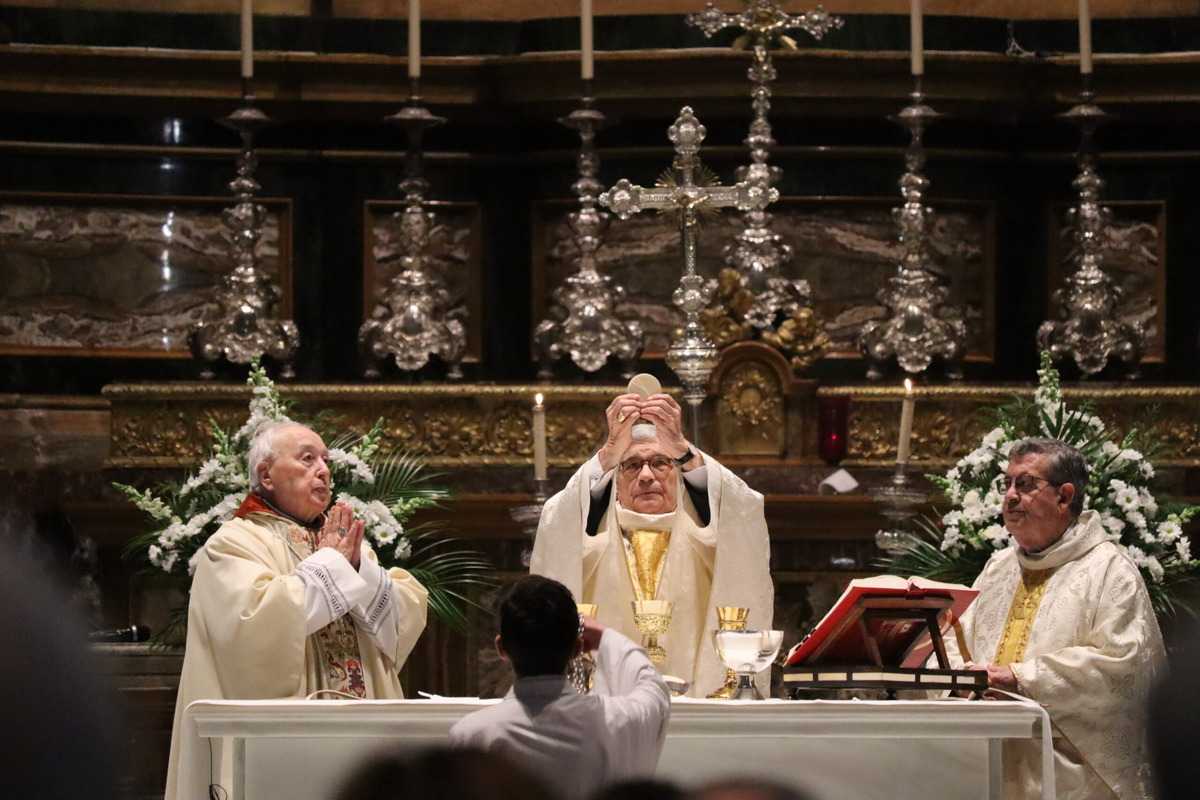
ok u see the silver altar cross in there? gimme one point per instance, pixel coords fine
(694, 355)
(764, 23)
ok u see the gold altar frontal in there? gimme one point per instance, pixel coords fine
(482, 426)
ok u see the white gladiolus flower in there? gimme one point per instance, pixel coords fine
(952, 538)
(1149, 504)
(1156, 569)
(1183, 546)
(1131, 456)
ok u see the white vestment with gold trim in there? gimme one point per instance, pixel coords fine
(725, 563)
(1092, 654)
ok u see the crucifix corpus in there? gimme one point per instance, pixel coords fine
(694, 355)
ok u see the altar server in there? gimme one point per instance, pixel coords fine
(578, 743)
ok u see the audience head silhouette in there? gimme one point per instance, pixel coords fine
(539, 626)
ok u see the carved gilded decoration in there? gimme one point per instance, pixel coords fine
(947, 425)
(169, 425)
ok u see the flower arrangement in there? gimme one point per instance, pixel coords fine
(384, 491)
(1119, 488)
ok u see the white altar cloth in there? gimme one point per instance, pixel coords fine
(858, 750)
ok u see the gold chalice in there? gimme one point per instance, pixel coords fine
(729, 618)
(652, 618)
(582, 666)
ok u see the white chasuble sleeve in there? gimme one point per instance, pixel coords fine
(561, 536)
(395, 618)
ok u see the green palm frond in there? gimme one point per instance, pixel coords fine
(403, 476)
(448, 575)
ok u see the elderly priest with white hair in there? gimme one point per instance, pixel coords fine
(288, 599)
(679, 527)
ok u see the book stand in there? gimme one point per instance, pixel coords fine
(869, 644)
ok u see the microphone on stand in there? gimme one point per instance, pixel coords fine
(132, 633)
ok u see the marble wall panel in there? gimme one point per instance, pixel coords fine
(108, 275)
(845, 247)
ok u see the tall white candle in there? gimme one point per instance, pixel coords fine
(917, 31)
(539, 438)
(414, 38)
(1085, 38)
(587, 69)
(247, 38)
(906, 423)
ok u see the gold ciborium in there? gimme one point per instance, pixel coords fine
(729, 618)
(652, 618)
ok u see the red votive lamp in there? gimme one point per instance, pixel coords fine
(832, 427)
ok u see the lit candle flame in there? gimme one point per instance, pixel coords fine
(537, 398)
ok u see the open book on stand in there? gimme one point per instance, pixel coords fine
(880, 633)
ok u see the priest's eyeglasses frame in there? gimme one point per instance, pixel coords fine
(659, 465)
(1026, 483)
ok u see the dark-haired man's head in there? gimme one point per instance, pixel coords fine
(539, 626)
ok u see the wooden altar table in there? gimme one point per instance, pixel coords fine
(858, 750)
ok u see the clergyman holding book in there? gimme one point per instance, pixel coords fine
(1063, 618)
(678, 527)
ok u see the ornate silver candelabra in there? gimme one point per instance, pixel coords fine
(415, 317)
(1088, 328)
(693, 355)
(584, 323)
(241, 324)
(921, 323)
(758, 253)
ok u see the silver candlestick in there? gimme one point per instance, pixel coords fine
(921, 323)
(1089, 329)
(584, 323)
(415, 317)
(692, 356)
(241, 324)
